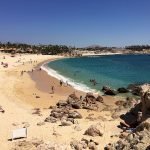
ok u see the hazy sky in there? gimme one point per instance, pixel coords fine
(76, 22)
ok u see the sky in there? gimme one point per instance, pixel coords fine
(75, 22)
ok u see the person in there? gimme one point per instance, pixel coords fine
(21, 73)
(52, 89)
(61, 82)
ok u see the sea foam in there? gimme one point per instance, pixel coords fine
(74, 84)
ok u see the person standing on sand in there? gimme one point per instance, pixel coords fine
(21, 73)
(53, 89)
(61, 82)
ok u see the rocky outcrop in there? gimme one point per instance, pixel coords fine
(88, 102)
(145, 98)
(63, 115)
(139, 140)
(136, 138)
(136, 89)
(64, 109)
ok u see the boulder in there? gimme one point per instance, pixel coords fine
(51, 119)
(99, 99)
(90, 95)
(74, 114)
(92, 146)
(76, 145)
(73, 96)
(61, 103)
(110, 92)
(105, 88)
(90, 98)
(76, 105)
(66, 123)
(57, 114)
(123, 90)
(93, 131)
(72, 99)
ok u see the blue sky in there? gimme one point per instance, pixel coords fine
(76, 22)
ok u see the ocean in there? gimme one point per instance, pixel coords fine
(112, 70)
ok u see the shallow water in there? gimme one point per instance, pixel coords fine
(114, 71)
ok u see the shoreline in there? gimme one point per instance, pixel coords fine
(77, 86)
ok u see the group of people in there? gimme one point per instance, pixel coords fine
(60, 83)
(93, 81)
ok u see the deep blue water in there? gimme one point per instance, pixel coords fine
(115, 70)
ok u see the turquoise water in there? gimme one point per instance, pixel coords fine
(114, 71)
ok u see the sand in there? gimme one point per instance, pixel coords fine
(18, 99)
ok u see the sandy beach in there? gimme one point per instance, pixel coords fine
(21, 94)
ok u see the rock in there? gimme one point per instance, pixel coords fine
(143, 125)
(84, 145)
(93, 131)
(105, 88)
(76, 145)
(75, 115)
(77, 128)
(40, 123)
(85, 140)
(72, 99)
(57, 114)
(123, 90)
(25, 124)
(2, 110)
(120, 103)
(92, 146)
(89, 107)
(51, 119)
(73, 96)
(90, 95)
(52, 107)
(76, 105)
(146, 104)
(37, 96)
(61, 103)
(90, 98)
(110, 92)
(99, 99)
(136, 89)
(36, 142)
(148, 147)
(66, 123)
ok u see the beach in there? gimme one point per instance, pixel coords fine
(21, 93)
